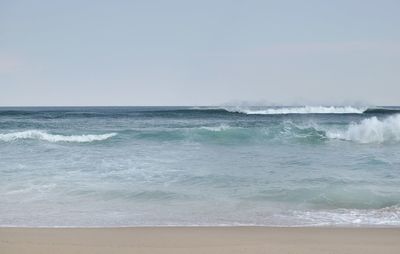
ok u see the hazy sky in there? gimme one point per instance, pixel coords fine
(199, 52)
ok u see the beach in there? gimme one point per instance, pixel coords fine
(188, 127)
(199, 240)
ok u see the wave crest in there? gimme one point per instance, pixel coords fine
(42, 135)
(371, 130)
(300, 110)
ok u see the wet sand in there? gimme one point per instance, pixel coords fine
(199, 240)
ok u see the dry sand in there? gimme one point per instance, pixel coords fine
(199, 240)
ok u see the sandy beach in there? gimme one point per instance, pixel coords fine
(199, 240)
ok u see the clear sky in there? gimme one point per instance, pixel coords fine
(199, 52)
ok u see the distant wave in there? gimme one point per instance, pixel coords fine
(371, 130)
(42, 135)
(128, 112)
(381, 110)
(299, 110)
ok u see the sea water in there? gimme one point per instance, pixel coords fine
(159, 166)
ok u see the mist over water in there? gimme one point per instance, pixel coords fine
(125, 166)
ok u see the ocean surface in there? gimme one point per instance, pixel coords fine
(159, 166)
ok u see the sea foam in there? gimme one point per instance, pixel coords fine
(300, 110)
(222, 127)
(42, 135)
(378, 217)
(371, 130)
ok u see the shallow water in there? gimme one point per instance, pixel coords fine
(126, 166)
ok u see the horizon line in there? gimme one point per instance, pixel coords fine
(249, 105)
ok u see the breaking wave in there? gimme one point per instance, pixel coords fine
(371, 130)
(42, 135)
(299, 110)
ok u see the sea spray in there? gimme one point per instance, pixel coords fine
(371, 130)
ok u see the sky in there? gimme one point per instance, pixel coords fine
(82, 53)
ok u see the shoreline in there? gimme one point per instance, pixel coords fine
(232, 239)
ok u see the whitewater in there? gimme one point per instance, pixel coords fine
(42, 135)
(299, 110)
(142, 166)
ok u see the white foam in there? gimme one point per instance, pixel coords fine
(42, 135)
(371, 130)
(388, 216)
(300, 110)
(221, 127)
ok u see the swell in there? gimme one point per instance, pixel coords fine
(387, 110)
(45, 136)
(128, 112)
(369, 130)
(225, 134)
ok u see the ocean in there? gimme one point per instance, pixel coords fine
(205, 166)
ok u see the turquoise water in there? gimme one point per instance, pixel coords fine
(128, 166)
